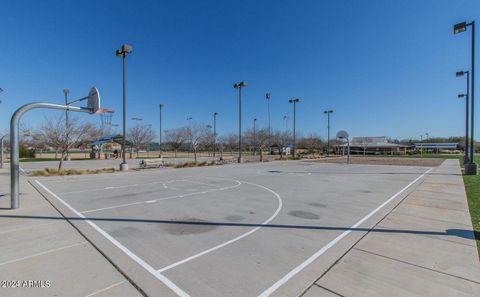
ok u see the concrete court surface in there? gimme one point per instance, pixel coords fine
(233, 230)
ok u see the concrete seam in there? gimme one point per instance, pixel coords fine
(366, 233)
(408, 263)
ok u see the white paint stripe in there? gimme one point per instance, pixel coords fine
(312, 258)
(280, 205)
(43, 253)
(156, 200)
(124, 249)
(136, 185)
(105, 289)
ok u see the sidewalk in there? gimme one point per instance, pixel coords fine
(424, 247)
(47, 256)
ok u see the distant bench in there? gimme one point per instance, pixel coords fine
(158, 162)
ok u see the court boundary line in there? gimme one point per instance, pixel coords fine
(326, 247)
(172, 286)
(277, 211)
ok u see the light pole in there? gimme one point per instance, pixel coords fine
(465, 158)
(189, 119)
(123, 52)
(471, 167)
(328, 112)
(215, 114)
(254, 137)
(160, 136)
(239, 86)
(294, 101)
(421, 145)
(268, 97)
(66, 92)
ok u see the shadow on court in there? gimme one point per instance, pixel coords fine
(468, 234)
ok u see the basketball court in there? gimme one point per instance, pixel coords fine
(233, 230)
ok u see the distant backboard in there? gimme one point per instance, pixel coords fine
(342, 134)
(93, 100)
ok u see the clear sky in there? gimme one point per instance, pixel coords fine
(386, 67)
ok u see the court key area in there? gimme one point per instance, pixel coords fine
(233, 230)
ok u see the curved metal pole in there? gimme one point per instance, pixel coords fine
(14, 144)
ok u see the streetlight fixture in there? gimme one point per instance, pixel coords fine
(471, 167)
(65, 93)
(123, 52)
(328, 112)
(239, 86)
(160, 132)
(294, 101)
(254, 137)
(215, 114)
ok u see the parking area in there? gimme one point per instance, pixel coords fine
(234, 230)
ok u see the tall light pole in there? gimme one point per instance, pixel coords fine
(465, 158)
(123, 52)
(65, 93)
(268, 97)
(215, 114)
(254, 137)
(239, 86)
(471, 167)
(294, 101)
(328, 112)
(160, 137)
(421, 145)
(189, 119)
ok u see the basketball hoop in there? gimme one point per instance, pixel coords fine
(105, 116)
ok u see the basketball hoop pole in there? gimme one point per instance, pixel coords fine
(14, 143)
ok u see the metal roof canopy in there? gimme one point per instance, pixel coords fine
(437, 145)
(111, 138)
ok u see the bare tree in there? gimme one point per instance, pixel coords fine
(140, 135)
(282, 139)
(176, 138)
(262, 141)
(231, 141)
(196, 135)
(53, 133)
(311, 143)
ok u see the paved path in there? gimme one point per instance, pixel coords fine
(50, 252)
(440, 259)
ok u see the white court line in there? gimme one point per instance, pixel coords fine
(280, 204)
(105, 289)
(43, 253)
(124, 249)
(312, 258)
(136, 185)
(160, 199)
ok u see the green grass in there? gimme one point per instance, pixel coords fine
(472, 187)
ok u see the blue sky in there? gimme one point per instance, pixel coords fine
(385, 67)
